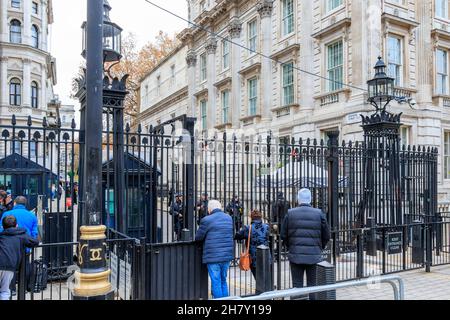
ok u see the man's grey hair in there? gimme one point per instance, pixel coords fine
(21, 200)
(213, 205)
(304, 196)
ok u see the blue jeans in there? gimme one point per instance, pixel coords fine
(218, 273)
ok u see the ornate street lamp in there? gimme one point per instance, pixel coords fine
(381, 87)
(112, 37)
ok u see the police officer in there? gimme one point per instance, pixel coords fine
(235, 210)
(279, 210)
(177, 212)
(202, 207)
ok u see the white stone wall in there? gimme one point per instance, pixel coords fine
(24, 61)
(364, 27)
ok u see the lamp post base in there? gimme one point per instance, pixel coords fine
(103, 297)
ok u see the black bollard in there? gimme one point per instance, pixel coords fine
(371, 238)
(186, 235)
(263, 270)
(418, 243)
(325, 275)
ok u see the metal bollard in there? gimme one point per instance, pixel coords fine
(264, 281)
(186, 235)
(371, 238)
(418, 243)
(325, 275)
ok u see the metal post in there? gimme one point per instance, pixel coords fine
(333, 185)
(92, 281)
(189, 223)
(264, 281)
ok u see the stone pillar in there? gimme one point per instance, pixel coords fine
(234, 29)
(306, 82)
(44, 19)
(4, 21)
(4, 81)
(26, 83)
(264, 8)
(26, 39)
(191, 60)
(211, 48)
(43, 89)
(424, 54)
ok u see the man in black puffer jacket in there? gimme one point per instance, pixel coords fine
(306, 232)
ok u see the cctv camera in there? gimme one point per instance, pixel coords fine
(412, 102)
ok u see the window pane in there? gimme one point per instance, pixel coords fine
(288, 83)
(395, 59)
(333, 4)
(441, 8)
(335, 66)
(252, 35)
(288, 16)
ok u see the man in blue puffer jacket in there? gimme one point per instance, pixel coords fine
(216, 230)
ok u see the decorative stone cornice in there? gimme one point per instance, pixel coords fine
(211, 45)
(235, 28)
(265, 8)
(191, 59)
(3, 59)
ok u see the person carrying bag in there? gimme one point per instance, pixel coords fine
(245, 261)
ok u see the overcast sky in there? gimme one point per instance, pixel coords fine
(136, 16)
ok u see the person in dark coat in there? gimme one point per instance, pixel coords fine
(13, 240)
(235, 210)
(177, 212)
(216, 233)
(280, 209)
(306, 233)
(202, 207)
(259, 236)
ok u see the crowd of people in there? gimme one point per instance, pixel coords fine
(18, 233)
(304, 232)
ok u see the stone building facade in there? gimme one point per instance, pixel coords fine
(303, 44)
(28, 71)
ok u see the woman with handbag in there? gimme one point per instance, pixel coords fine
(256, 234)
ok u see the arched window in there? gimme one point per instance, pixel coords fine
(15, 31)
(35, 36)
(15, 92)
(34, 95)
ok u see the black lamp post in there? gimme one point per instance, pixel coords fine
(101, 43)
(382, 144)
(381, 87)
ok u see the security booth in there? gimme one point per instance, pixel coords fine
(134, 193)
(23, 177)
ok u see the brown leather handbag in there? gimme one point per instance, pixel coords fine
(245, 260)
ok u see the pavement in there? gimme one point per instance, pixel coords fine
(419, 285)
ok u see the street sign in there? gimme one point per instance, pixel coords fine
(394, 242)
(121, 276)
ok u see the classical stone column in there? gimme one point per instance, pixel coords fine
(44, 19)
(264, 8)
(4, 81)
(429, 132)
(424, 54)
(4, 21)
(26, 83)
(191, 60)
(211, 48)
(43, 89)
(234, 29)
(26, 22)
